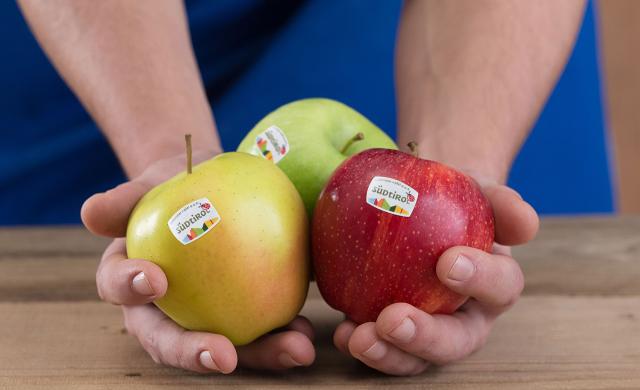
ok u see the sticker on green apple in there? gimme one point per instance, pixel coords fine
(271, 144)
(193, 221)
(391, 196)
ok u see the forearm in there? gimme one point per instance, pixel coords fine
(472, 76)
(132, 66)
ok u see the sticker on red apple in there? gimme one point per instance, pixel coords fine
(271, 144)
(193, 221)
(391, 196)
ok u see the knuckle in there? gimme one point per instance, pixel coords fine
(149, 341)
(187, 349)
(511, 279)
(456, 349)
(107, 285)
(427, 343)
(150, 333)
(181, 357)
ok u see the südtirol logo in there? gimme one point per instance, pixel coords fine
(391, 196)
(193, 221)
(271, 144)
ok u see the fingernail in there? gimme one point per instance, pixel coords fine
(207, 361)
(141, 285)
(376, 351)
(405, 331)
(286, 360)
(462, 269)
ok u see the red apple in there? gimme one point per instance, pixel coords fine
(380, 225)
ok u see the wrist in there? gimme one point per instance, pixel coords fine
(459, 145)
(468, 158)
(148, 139)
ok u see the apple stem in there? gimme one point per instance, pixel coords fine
(413, 146)
(187, 139)
(357, 137)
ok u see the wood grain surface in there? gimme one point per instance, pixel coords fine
(576, 327)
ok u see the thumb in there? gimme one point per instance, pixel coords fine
(107, 213)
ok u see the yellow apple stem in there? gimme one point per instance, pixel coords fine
(187, 139)
(413, 146)
(357, 137)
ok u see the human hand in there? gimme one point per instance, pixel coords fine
(404, 340)
(135, 283)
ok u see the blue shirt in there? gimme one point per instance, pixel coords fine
(254, 56)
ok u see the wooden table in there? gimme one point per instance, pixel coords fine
(576, 327)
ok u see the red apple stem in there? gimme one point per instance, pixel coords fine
(187, 139)
(355, 138)
(413, 146)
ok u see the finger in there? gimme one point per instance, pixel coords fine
(278, 351)
(366, 346)
(516, 221)
(169, 344)
(494, 280)
(342, 335)
(303, 325)
(107, 213)
(125, 281)
(436, 338)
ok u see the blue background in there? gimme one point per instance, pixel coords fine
(255, 56)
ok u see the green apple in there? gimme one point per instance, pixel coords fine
(232, 238)
(309, 138)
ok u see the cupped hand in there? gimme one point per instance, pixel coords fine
(135, 283)
(404, 340)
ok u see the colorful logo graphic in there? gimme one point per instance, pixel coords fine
(193, 221)
(391, 196)
(271, 144)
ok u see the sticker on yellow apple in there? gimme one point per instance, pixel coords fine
(391, 196)
(193, 221)
(271, 144)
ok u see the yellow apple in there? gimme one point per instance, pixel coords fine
(232, 239)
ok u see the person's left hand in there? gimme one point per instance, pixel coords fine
(404, 340)
(118, 282)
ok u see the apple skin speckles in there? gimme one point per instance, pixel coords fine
(395, 257)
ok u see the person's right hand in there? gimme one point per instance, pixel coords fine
(135, 283)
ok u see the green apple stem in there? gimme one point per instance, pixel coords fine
(413, 146)
(357, 137)
(187, 139)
